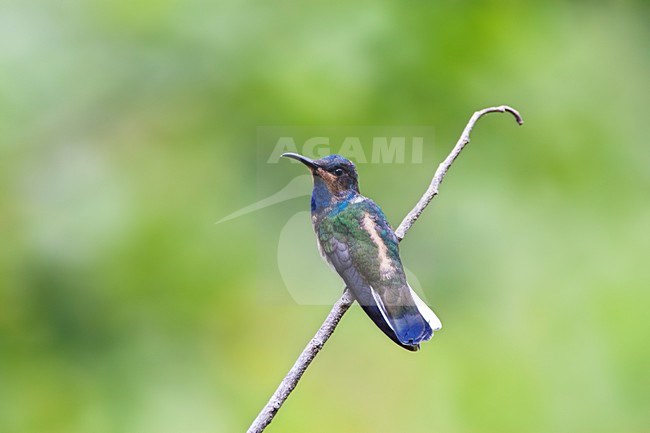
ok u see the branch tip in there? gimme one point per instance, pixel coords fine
(515, 113)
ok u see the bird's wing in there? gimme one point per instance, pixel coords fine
(363, 249)
(338, 254)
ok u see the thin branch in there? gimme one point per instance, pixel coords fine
(343, 304)
(432, 191)
(306, 357)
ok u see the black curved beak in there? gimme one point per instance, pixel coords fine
(308, 162)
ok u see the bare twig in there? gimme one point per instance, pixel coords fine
(306, 357)
(432, 191)
(343, 304)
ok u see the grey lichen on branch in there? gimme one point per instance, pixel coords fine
(345, 301)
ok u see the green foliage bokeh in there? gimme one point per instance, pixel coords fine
(128, 128)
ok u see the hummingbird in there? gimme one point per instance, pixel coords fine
(355, 239)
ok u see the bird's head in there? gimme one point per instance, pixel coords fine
(338, 174)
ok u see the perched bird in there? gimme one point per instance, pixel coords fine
(357, 241)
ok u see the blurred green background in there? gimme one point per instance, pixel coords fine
(128, 128)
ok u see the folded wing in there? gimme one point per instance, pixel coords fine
(362, 248)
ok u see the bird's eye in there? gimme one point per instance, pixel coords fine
(337, 171)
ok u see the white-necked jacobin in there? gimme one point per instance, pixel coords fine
(357, 241)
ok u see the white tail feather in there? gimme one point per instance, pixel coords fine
(382, 309)
(426, 312)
